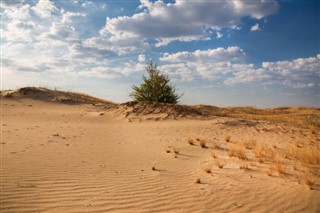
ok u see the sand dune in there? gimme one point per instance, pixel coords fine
(81, 154)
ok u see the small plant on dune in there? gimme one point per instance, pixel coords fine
(309, 155)
(244, 166)
(308, 179)
(176, 151)
(203, 142)
(227, 138)
(207, 168)
(295, 166)
(220, 163)
(250, 144)
(279, 167)
(190, 141)
(313, 120)
(264, 153)
(155, 87)
(213, 155)
(270, 170)
(237, 151)
(198, 180)
(253, 164)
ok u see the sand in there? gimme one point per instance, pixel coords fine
(62, 157)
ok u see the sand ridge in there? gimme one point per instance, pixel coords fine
(86, 158)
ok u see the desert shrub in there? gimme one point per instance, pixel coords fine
(155, 87)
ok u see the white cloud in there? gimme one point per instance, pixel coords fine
(229, 65)
(255, 27)
(68, 17)
(193, 20)
(45, 8)
(142, 58)
(40, 38)
(297, 73)
(230, 54)
(219, 35)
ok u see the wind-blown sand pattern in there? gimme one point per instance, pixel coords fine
(63, 156)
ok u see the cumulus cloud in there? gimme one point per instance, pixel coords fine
(193, 20)
(297, 73)
(229, 65)
(255, 27)
(45, 8)
(208, 64)
(41, 37)
(142, 58)
(230, 54)
(219, 35)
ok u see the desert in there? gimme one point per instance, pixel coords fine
(70, 152)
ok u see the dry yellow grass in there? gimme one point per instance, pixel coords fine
(264, 153)
(280, 168)
(220, 163)
(244, 166)
(190, 141)
(250, 144)
(270, 170)
(237, 150)
(198, 180)
(308, 179)
(213, 155)
(207, 168)
(176, 151)
(202, 142)
(309, 155)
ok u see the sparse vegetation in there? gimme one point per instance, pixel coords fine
(236, 150)
(244, 166)
(264, 153)
(198, 180)
(207, 168)
(280, 168)
(313, 120)
(250, 144)
(203, 142)
(190, 141)
(213, 155)
(220, 163)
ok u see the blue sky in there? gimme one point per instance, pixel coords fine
(223, 53)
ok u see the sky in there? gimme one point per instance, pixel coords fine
(263, 53)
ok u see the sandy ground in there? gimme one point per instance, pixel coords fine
(75, 158)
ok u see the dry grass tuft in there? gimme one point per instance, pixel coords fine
(270, 170)
(280, 168)
(227, 138)
(207, 168)
(203, 142)
(264, 153)
(176, 151)
(220, 163)
(244, 166)
(198, 180)
(308, 179)
(253, 164)
(309, 155)
(190, 141)
(213, 155)
(250, 144)
(238, 151)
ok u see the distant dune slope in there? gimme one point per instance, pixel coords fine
(160, 111)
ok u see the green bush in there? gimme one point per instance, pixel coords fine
(155, 87)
